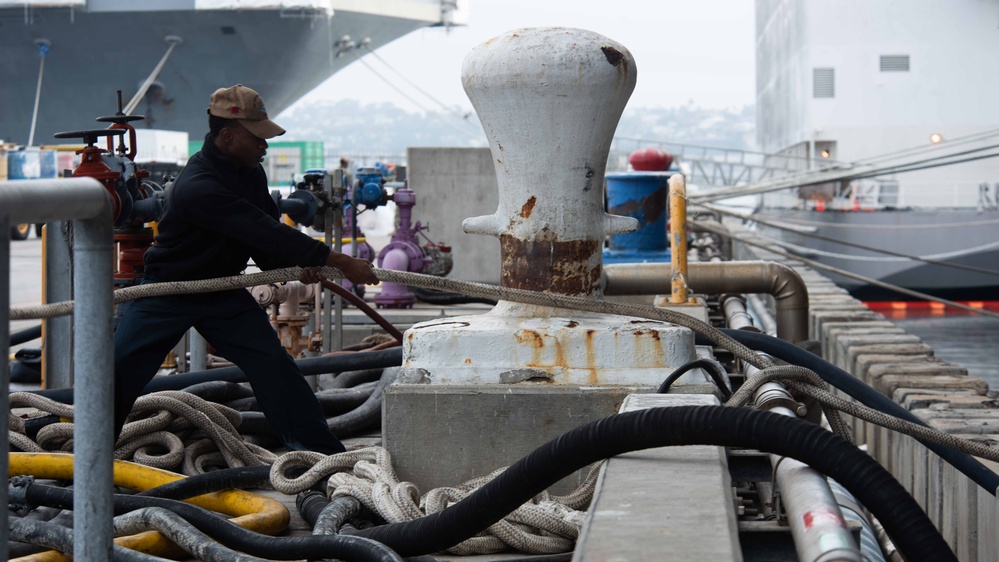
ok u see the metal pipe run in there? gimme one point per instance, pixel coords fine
(86, 202)
(813, 513)
(775, 279)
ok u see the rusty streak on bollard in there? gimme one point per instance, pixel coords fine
(678, 229)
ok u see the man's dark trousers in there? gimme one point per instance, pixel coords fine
(239, 330)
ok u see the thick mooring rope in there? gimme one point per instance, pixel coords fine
(468, 288)
(548, 524)
(171, 430)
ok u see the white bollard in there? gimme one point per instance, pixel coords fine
(549, 100)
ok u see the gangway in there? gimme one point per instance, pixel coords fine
(720, 167)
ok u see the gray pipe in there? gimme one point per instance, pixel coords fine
(58, 288)
(199, 351)
(776, 279)
(817, 523)
(86, 202)
(736, 316)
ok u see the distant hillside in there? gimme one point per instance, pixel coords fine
(352, 128)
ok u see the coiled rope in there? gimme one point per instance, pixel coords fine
(171, 430)
(546, 525)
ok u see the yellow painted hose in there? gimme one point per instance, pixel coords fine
(251, 511)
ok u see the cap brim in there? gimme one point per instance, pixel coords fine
(264, 129)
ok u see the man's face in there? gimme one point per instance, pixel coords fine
(244, 147)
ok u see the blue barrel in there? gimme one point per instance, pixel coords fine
(31, 164)
(641, 195)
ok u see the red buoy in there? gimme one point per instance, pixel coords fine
(650, 160)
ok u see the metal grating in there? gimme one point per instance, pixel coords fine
(894, 63)
(823, 82)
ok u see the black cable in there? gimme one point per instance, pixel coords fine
(26, 335)
(310, 366)
(231, 535)
(858, 390)
(908, 526)
(335, 401)
(710, 366)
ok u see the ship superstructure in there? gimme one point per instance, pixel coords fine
(862, 84)
(91, 48)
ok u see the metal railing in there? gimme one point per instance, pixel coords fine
(86, 203)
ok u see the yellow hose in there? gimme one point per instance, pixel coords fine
(252, 511)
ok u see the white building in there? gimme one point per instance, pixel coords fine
(853, 79)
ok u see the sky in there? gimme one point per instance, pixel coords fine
(686, 51)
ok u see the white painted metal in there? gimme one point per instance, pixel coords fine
(549, 100)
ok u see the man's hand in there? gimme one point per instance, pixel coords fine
(356, 270)
(310, 275)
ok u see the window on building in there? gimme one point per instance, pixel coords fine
(894, 63)
(823, 82)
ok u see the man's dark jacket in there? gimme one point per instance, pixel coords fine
(217, 217)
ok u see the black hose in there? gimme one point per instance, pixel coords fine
(334, 401)
(33, 425)
(863, 393)
(310, 504)
(241, 477)
(366, 415)
(912, 532)
(57, 537)
(350, 379)
(219, 391)
(710, 366)
(326, 516)
(231, 535)
(26, 335)
(340, 510)
(391, 357)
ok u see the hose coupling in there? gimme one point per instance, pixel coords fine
(17, 494)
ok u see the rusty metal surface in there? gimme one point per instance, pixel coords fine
(570, 268)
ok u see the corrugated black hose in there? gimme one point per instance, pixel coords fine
(227, 533)
(910, 529)
(863, 393)
(350, 379)
(241, 477)
(58, 537)
(334, 401)
(219, 391)
(326, 516)
(366, 415)
(26, 335)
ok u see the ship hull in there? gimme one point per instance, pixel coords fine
(281, 55)
(966, 237)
